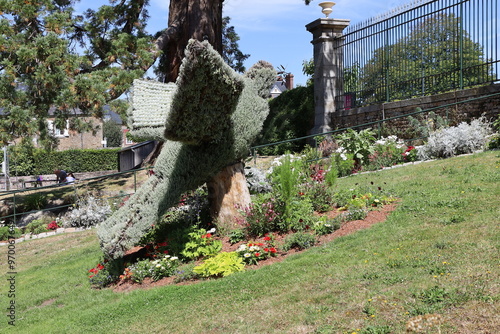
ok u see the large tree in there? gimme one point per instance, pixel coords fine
(51, 57)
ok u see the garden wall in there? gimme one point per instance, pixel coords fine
(488, 106)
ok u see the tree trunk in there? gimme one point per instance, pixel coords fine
(228, 191)
(201, 20)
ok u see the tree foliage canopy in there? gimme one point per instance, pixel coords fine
(50, 57)
(436, 56)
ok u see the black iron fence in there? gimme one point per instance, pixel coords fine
(424, 48)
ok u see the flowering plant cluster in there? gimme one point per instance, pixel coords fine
(262, 216)
(253, 252)
(96, 270)
(53, 225)
(163, 266)
(157, 249)
(318, 175)
(410, 154)
(100, 276)
(324, 226)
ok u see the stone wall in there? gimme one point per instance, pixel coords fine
(488, 106)
(85, 140)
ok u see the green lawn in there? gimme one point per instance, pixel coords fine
(438, 253)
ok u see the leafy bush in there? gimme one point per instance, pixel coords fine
(354, 214)
(464, 138)
(236, 236)
(36, 226)
(185, 273)
(320, 195)
(326, 226)
(27, 160)
(299, 240)
(200, 244)
(300, 217)
(263, 216)
(36, 201)
(344, 162)
(386, 152)
(221, 265)
(6, 232)
(358, 143)
(290, 116)
(494, 139)
(88, 211)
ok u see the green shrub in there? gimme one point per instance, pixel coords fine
(326, 226)
(36, 201)
(358, 143)
(36, 226)
(263, 216)
(6, 232)
(344, 163)
(201, 244)
(223, 264)
(321, 196)
(299, 240)
(290, 116)
(25, 160)
(185, 273)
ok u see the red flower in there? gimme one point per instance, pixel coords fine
(165, 252)
(267, 238)
(257, 254)
(266, 250)
(162, 244)
(100, 266)
(273, 250)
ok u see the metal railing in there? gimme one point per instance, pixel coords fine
(423, 48)
(18, 200)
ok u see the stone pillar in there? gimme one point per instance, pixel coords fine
(328, 59)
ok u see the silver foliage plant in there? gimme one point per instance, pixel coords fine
(88, 211)
(461, 139)
(210, 120)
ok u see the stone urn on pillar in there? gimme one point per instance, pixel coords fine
(328, 65)
(326, 7)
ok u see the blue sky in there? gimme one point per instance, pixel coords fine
(274, 30)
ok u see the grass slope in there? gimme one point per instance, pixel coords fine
(438, 253)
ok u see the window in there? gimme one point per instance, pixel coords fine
(56, 131)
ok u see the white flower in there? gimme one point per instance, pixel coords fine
(173, 258)
(343, 156)
(212, 230)
(254, 248)
(247, 255)
(158, 265)
(242, 248)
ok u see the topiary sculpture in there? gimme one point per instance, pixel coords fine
(209, 118)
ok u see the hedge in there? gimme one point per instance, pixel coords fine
(38, 161)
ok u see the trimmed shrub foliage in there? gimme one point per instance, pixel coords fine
(291, 116)
(38, 161)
